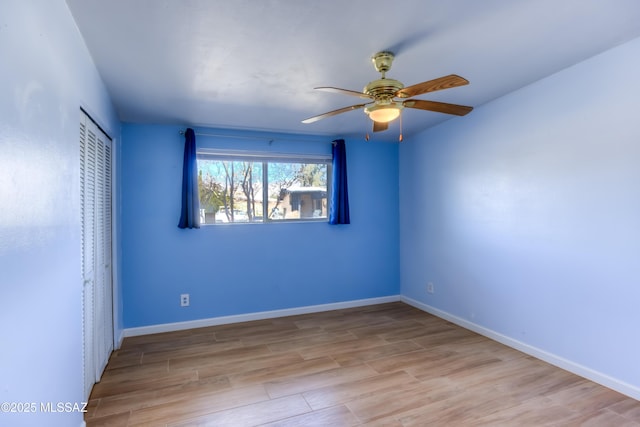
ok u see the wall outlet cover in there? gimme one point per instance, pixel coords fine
(184, 300)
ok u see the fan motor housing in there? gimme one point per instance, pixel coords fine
(383, 88)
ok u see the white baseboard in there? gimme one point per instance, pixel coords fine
(223, 320)
(568, 365)
(118, 340)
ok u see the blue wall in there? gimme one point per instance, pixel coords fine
(247, 268)
(526, 216)
(45, 76)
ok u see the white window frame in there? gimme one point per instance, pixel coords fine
(265, 158)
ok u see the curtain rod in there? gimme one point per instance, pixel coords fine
(229, 136)
(220, 135)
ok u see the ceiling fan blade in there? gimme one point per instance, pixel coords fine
(333, 113)
(344, 92)
(445, 82)
(439, 107)
(379, 127)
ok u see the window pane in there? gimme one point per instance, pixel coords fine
(230, 191)
(297, 190)
(233, 190)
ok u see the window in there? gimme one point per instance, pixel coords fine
(254, 187)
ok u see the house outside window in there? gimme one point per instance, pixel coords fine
(242, 187)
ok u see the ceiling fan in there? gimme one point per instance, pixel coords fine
(383, 105)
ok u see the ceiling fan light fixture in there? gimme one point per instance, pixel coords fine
(383, 113)
(384, 106)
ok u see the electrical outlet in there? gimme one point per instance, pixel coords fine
(430, 287)
(184, 300)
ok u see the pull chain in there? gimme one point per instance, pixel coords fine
(366, 135)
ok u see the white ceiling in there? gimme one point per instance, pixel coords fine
(253, 64)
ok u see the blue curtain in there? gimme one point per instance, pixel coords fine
(339, 209)
(190, 216)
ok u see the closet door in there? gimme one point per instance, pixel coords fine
(107, 270)
(87, 212)
(95, 181)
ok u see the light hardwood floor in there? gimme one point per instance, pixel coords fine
(383, 365)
